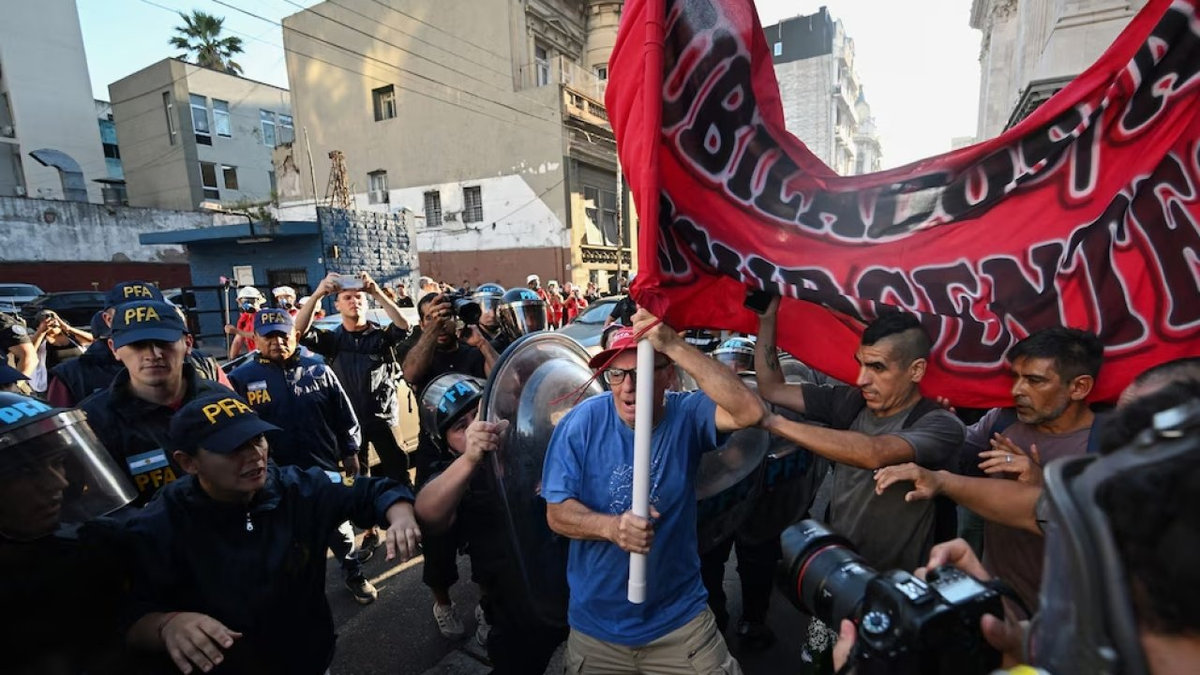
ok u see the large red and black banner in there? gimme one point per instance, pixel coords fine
(1086, 214)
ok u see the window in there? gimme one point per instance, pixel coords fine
(377, 180)
(287, 133)
(473, 204)
(384, 99)
(271, 180)
(602, 72)
(778, 49)
(433, 209)
(221, 118)
(111, 151)
(601, 211)
(200, 119)
(208, 179)
(169, 109)
(268, 127)
(230, 173)
(541, 64)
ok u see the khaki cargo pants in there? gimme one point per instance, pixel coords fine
(696, 648)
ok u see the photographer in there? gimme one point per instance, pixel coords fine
(441, 347)
(55, 342)
(15, 346)
(362, 355)
(1120, 589)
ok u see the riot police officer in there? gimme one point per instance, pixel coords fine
(60, 576)
(438, 349)
(460, 499)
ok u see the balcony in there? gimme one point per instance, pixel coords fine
(604, 255)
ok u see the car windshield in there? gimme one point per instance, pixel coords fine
(597, 313)
(20, 289)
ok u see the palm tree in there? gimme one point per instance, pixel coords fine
(201, 35)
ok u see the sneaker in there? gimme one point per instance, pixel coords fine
(481, 626)
(448, 622)
(361, 589)
(370, 542)
(754, 635)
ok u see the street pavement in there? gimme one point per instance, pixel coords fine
(397, 635)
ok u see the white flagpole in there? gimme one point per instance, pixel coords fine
(642, 428)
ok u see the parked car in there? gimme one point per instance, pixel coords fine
(15, 296)
(587, 327)
(76, 307)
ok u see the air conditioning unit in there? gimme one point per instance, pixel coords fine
(379, 197)
(8, 131)
(450, 217)
(19, 191)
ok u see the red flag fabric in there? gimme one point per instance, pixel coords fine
(1085, 214)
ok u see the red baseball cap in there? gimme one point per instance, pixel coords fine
(621, 339)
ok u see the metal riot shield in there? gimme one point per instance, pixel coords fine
(533, 385)
(728, 483)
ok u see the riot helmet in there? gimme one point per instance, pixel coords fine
(521, 312)
(445, 399)
(737, 353)
(488, 297)
(54, 473)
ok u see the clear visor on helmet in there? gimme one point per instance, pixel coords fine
(522, 318)
(488, 302)
(740, 361)
(55, 476)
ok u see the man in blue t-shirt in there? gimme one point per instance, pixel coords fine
(587, 482)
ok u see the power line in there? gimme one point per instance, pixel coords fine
(440, 30)
(408, 35)
(382, 62)
(506, 75)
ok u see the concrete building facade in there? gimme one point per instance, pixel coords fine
(46, 105)
(485, 120)
(191, 134)
(1032, 48)
(824, 104)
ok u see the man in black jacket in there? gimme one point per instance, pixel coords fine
(131, 416)
(229, 561)
(75, 380)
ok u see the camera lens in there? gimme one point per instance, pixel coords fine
(821, 573)
(468, 310)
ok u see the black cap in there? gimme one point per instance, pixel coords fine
(130, 291)
(138, 321)
(219, 422)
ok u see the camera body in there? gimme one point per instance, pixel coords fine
(905, 625)
(465, 307)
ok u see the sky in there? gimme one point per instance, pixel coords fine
(920, 69)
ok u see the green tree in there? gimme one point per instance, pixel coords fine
(201, 35)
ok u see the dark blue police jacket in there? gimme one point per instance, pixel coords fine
(303, 398)
(258, 569)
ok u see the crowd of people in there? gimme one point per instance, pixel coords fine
(161, 514)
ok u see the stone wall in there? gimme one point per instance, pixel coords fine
(380, 244)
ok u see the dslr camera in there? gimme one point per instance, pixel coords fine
(466, 309)
(905, 625)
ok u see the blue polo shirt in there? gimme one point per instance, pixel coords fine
(590, 459)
